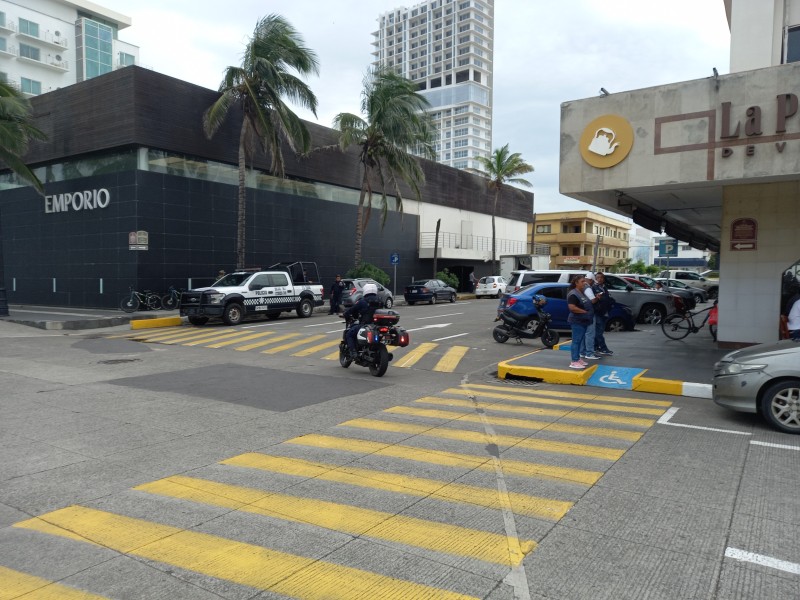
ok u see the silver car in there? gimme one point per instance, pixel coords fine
(354, 290)
(762, 379)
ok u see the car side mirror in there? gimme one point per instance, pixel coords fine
(629, 287)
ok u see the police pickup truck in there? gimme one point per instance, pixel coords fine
(284, 287)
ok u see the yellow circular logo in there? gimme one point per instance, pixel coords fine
(606, 141)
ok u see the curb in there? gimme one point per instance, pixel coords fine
(574, 377)
(156, 322)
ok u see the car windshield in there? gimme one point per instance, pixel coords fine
(232, 279)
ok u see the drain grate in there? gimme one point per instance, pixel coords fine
(118, 361)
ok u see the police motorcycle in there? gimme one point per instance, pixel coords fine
(372, 340)
(525, 326)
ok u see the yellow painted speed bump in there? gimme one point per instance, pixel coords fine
(153, 323)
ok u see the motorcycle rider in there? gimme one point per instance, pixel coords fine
(363, 310)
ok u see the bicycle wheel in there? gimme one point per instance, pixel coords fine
(153, 301)
(169, 301)
(676, 326)
(130, 303)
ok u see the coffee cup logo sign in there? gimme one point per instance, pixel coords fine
(606, 141)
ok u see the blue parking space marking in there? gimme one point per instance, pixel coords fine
(608, 376)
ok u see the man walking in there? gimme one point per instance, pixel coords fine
(337, 289)
(601, 308)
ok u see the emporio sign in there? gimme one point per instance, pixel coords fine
(76, 201)
(607, 140)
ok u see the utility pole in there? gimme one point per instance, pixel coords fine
(596, 248)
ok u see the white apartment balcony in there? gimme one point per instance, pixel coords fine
(469, 247)
(8, 26)
(51, 62)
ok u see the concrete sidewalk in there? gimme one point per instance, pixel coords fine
(644, 360)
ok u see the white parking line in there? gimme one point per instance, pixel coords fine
(665, 420)
(781, 446)
(438, 316)
(449, 337)
(760, 559)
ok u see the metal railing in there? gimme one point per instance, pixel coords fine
(481, 243)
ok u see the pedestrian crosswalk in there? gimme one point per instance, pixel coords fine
(402, 503)
(430, 355)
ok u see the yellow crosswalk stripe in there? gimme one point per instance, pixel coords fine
(203, 335)
(448, 459)
(272, 340)
(618, 434)
(557, 394)
(213, 338)
(317, 348)
(290, 345)
(332, 355)
(523, 504)
(552, 401)
(229, 560)
(411, 358)
(239, 340)
(183, 334)
(577, 415)
(476, 437)
(439, 537)
(451, 358)
(14, 584)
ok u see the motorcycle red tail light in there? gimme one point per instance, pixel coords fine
(384, 330)
(370, 337)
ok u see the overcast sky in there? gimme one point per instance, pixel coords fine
(546, 52)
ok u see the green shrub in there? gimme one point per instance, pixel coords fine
(448, 278)
(367, 270)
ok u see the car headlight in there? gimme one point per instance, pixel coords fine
(215, 298)
(735, 368)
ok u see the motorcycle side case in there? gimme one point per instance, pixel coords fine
(400, 337)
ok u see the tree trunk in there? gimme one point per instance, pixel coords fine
(240, 216)
(494, 233)
(360, 220)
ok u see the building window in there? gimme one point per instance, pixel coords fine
(29, 86)
(94, 49)
(460, 154)
(3, 44)
(126, 60)
(793, 44)
(26, 51)
(461, 143)
(463, 131)
(2, 19)
(543, 229)
(29, 28)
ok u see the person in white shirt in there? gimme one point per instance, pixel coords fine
(587, 349)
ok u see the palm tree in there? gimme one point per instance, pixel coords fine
(259, 86)
(394, 123)
(16, 130)
(502, 168)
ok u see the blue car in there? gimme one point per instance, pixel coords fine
(619, 317)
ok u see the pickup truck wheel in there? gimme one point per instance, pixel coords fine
(198, 321)
(233, 314)
(305, 308)
(652, 314)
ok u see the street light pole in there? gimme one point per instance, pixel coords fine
(596, 248)
(3, 298)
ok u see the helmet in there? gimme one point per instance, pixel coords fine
(370, 288)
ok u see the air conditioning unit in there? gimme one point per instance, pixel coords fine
(57, 34)
(58, 57)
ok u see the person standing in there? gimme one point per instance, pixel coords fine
(473, 282)
(587, 351)
(337, 289)
(601, 308)
(581, 315)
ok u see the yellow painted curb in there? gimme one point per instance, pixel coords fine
(657, 386)
(562, 376)
(152, 323)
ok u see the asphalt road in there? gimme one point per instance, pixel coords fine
(195, 463)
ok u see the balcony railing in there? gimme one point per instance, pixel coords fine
(480, 243)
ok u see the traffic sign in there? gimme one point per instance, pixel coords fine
(394, 258)
(668, 247)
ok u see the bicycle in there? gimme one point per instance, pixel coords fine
(677, 326)
(148, 299)
(172, 299)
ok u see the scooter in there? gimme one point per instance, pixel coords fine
(519, 326)
(372, 340)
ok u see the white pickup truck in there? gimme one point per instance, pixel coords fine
(255, 293)
(695, 280)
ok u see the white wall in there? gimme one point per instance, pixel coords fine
(750, 281)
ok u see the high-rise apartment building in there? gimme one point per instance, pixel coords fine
(48, 44)
(447, 48)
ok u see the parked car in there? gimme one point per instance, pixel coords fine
(429, 290)
(620, 317)
(354, 290)
(762, 379)
(647, 306)
(671, 285)
(493, 286)
(694, 279)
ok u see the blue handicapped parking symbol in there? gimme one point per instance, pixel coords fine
(614, 377)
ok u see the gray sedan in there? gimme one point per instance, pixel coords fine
(762, 379)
